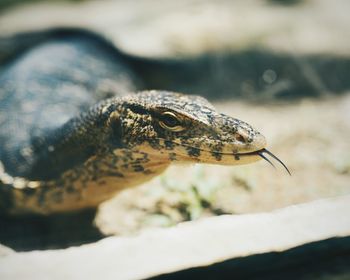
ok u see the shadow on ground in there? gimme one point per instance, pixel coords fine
(51, 232)
(310, 261)
(252, 74)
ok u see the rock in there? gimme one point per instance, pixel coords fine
(187, 245)
(4, 251)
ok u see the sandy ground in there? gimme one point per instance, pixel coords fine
(181, 27)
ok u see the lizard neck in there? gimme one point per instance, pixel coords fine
(87, 185)
(53, 152)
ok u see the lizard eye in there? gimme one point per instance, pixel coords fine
(170, 121)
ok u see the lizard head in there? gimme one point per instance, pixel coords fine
(177, 127)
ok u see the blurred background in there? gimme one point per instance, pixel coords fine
(282, 66)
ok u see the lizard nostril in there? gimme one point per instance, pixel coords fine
(240, 138)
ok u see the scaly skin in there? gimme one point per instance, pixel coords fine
(130, 140)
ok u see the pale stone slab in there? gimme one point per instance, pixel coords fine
(187, 245)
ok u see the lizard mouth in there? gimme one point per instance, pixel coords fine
(262, 153)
